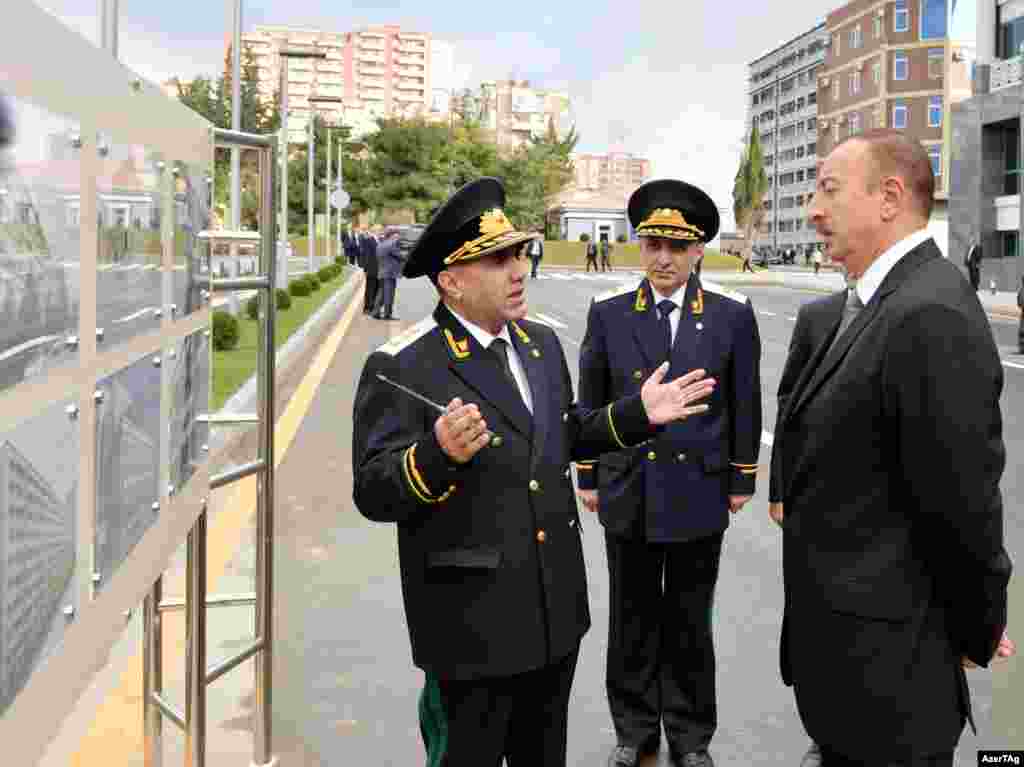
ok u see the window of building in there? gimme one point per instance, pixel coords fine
(1009, 244)
(812, 99)
(835, 89)
(799, 176)
(876, 71)
(855, 82)
(935, 157)
(835, 131)
(799, 152)
(811, 124)
(812, 174)
(1010, 40)
(935, 111)
(933, 19)
(936, 62)
(855, 123)
(812, 148)
(877, 24)
(900, 17)
(1009, 134)
(835, 44)
(900, 66)
(899, 116)
(855, 37)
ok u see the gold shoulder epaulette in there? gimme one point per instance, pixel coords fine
(410, 336)
(714, 287)
(619, 291)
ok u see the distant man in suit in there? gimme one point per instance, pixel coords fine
(665, 506)
(606, 254)
(489, 546)
(891, 454)
(389, 266)
(369, 264)
(535, 250)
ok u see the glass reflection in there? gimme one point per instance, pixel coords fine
(129, 295)
(193, 187)
(127, 462)
(38, 502)
(39, 243)
(190, 392)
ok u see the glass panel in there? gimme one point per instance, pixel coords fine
(190, 398)
(191, 255)
(127, 462)
(40, 184)
(38, 503)
(933, 19)
(130, 206)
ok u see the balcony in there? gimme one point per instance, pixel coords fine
(371, 58)
(408, 97)
(406, 85)
(1005, 74)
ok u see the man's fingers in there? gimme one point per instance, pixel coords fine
(658, 375)
(689, 378)
(454, 405)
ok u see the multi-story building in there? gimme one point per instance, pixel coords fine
(598, 171)
(512, 111)
(783, 103)
(380, 71)
(986, 149)
(893, 64)
(37, 555)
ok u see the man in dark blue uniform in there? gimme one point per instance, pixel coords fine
(665, 505)
(489, 545)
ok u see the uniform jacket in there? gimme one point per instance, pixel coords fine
(892, 452)
(389, 259)
(368, 255)
(676, 488)
(490, 553)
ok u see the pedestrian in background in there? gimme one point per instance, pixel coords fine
(606, 255)
(817, 260)
(389, 266)
(1020, 329)
(591, 255)
(368, 252)
(535, 250)
(878, 625)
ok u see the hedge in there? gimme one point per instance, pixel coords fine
(225, 331)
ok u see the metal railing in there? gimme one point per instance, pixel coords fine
(192, 721)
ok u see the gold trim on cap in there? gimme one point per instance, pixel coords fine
(495, 229)
(669, 222)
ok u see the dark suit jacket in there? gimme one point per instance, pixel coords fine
(389, 259)
(894, 565)
(540, 252)
(490, 552)
(676, 488)
(368, 250)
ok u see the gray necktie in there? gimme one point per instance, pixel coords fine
(850, 311)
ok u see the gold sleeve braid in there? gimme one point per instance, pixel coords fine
(611, 428)
(745, 468)
(416, 482)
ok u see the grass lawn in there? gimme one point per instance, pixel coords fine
(231, 369)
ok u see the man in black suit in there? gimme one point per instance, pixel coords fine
(370, 266)
(493, 578)
(890, 452)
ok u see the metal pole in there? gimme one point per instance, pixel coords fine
(152, 675)
(195, 644)
(283, 153)
(311, 238)
(341, 183)
(109, 18)
(265, 371)
(236, 125)
(327, 200)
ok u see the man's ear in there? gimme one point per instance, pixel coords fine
(894, 196)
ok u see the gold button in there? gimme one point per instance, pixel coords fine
(541, 536)
(681, 457)
(652, 455)
(565, 417)
(496, 440)
(534, 485)
(638, 374)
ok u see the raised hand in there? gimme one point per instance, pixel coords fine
(461, 431)
(667, 402)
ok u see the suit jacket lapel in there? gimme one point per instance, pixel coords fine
(472, 363)
(536, 373)
(643, 317)
(824, 367)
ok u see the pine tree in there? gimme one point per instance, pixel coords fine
(749, 189)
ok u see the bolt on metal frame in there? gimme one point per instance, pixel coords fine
(197, 675)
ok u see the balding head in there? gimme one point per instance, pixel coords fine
(894, 153)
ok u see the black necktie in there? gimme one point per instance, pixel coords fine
(499, 348)
(665, 309)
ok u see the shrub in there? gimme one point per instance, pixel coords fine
(313, 282)
(621, 238)
(225, 331)
(326, 274)
(284, 301)
(299, 287)
(584, 237)
(252, 308)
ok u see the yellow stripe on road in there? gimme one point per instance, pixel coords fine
(115, 737)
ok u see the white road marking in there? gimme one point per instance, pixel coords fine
(547, 319)
(15, 351)
(1013, 365)
(791, 319)
(767, 439)
(135, 316)
(768, 314)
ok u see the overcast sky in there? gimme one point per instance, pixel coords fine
(671, 78)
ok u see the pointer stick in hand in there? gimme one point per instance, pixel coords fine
(439, 408)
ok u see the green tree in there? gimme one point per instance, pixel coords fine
(749, 189)
(535, 173)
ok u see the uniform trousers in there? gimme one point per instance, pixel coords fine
(475, 723)
(370, 294)
(661, 658)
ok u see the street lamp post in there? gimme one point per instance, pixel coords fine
(286, 53)
(313, 100)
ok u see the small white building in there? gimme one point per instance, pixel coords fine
(598, 213)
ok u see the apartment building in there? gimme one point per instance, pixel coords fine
(893, 64)
(612, 169)
(783, 103)
(380, 71)
(986, 148)
(512, 111)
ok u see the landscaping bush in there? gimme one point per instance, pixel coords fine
(299, 288)
(225, 331)
(621, 238)
(284, 301)
(313, 282)
(326, 274)
(252, 308)
(584, 237)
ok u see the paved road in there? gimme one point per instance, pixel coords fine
(345, 688)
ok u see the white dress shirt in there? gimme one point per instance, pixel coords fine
(875, 275)
(485, 339)
(677, 298)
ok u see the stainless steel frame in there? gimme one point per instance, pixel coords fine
(197, 676)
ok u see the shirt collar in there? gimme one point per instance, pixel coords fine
(483, 337)
(875, 275)
(677, 298)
